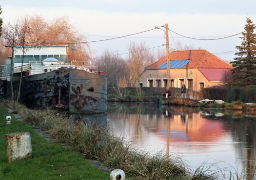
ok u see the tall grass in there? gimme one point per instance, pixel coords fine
(95, 142)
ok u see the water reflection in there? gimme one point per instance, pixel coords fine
(93, 120)
(196, 135)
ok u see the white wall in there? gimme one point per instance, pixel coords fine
(42, 51)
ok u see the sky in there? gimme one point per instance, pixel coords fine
(187, 20)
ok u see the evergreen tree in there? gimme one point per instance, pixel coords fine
(244, 72)
(1, 21)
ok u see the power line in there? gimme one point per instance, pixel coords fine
(226, 52)
(146, 48)
(130, 37)
(205, 38)
(119, 36)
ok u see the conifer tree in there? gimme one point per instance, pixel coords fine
(244, 72)
(1, 21)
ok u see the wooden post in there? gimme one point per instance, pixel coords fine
(18, 146)
(167, 55)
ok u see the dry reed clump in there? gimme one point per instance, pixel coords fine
(156, 167)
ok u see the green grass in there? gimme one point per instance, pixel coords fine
(48, 161)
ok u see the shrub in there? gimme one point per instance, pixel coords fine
(242, 95)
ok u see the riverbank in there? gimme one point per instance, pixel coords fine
(49, 160)
(98, 144)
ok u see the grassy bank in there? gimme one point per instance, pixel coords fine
(53, 161)
(49, 160)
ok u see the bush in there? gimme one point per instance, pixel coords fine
(242, 95)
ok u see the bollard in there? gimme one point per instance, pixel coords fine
(117, 174)
(18, 146)
(8, 120)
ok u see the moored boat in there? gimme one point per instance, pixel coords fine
(51, 82)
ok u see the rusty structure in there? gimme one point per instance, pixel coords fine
(73, 90)
(49, 81)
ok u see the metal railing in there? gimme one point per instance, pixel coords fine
(25, 67)
(38, 67)
(3, 72)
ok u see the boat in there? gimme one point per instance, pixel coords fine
(49, 81)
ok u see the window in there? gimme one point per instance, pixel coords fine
(201, 86)
(141, 84)
(181, 81)
(158, 83)
(150, 83)
(190, 83)
(17, 59)
(28, 58)
(44, 57)
(165, 82)
(172, 83)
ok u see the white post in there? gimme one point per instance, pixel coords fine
(117, 174)
(8, 120)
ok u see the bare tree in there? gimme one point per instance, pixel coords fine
(56, 32)
(16, 35)
(138, 58)
(60, 31)
(24, 30)
(11, 37)
(181, 47)
(227, 78)
(113, 66)
(4, 52)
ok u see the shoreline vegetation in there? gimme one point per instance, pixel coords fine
(92, 142)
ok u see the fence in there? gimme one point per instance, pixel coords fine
(153, 92)
(230, 94)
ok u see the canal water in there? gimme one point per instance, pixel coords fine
(206, 138)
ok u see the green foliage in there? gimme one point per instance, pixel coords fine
(231, 95)
(242, 95)
(244, 65)
(216, 105)
(1, 21)
(254, 95)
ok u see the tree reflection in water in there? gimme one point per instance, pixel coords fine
(194, 134)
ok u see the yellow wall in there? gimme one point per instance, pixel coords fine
(176, 75)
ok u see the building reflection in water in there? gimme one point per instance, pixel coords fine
(190, 133)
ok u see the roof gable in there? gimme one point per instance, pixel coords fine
(213, 74)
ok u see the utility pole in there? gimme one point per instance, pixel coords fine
(167, 55)
(168, 85)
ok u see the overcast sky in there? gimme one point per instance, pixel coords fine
(103, 19)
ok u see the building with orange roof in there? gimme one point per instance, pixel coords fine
(196, 68)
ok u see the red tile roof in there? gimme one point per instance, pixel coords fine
(199, 59)
(213, 74)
